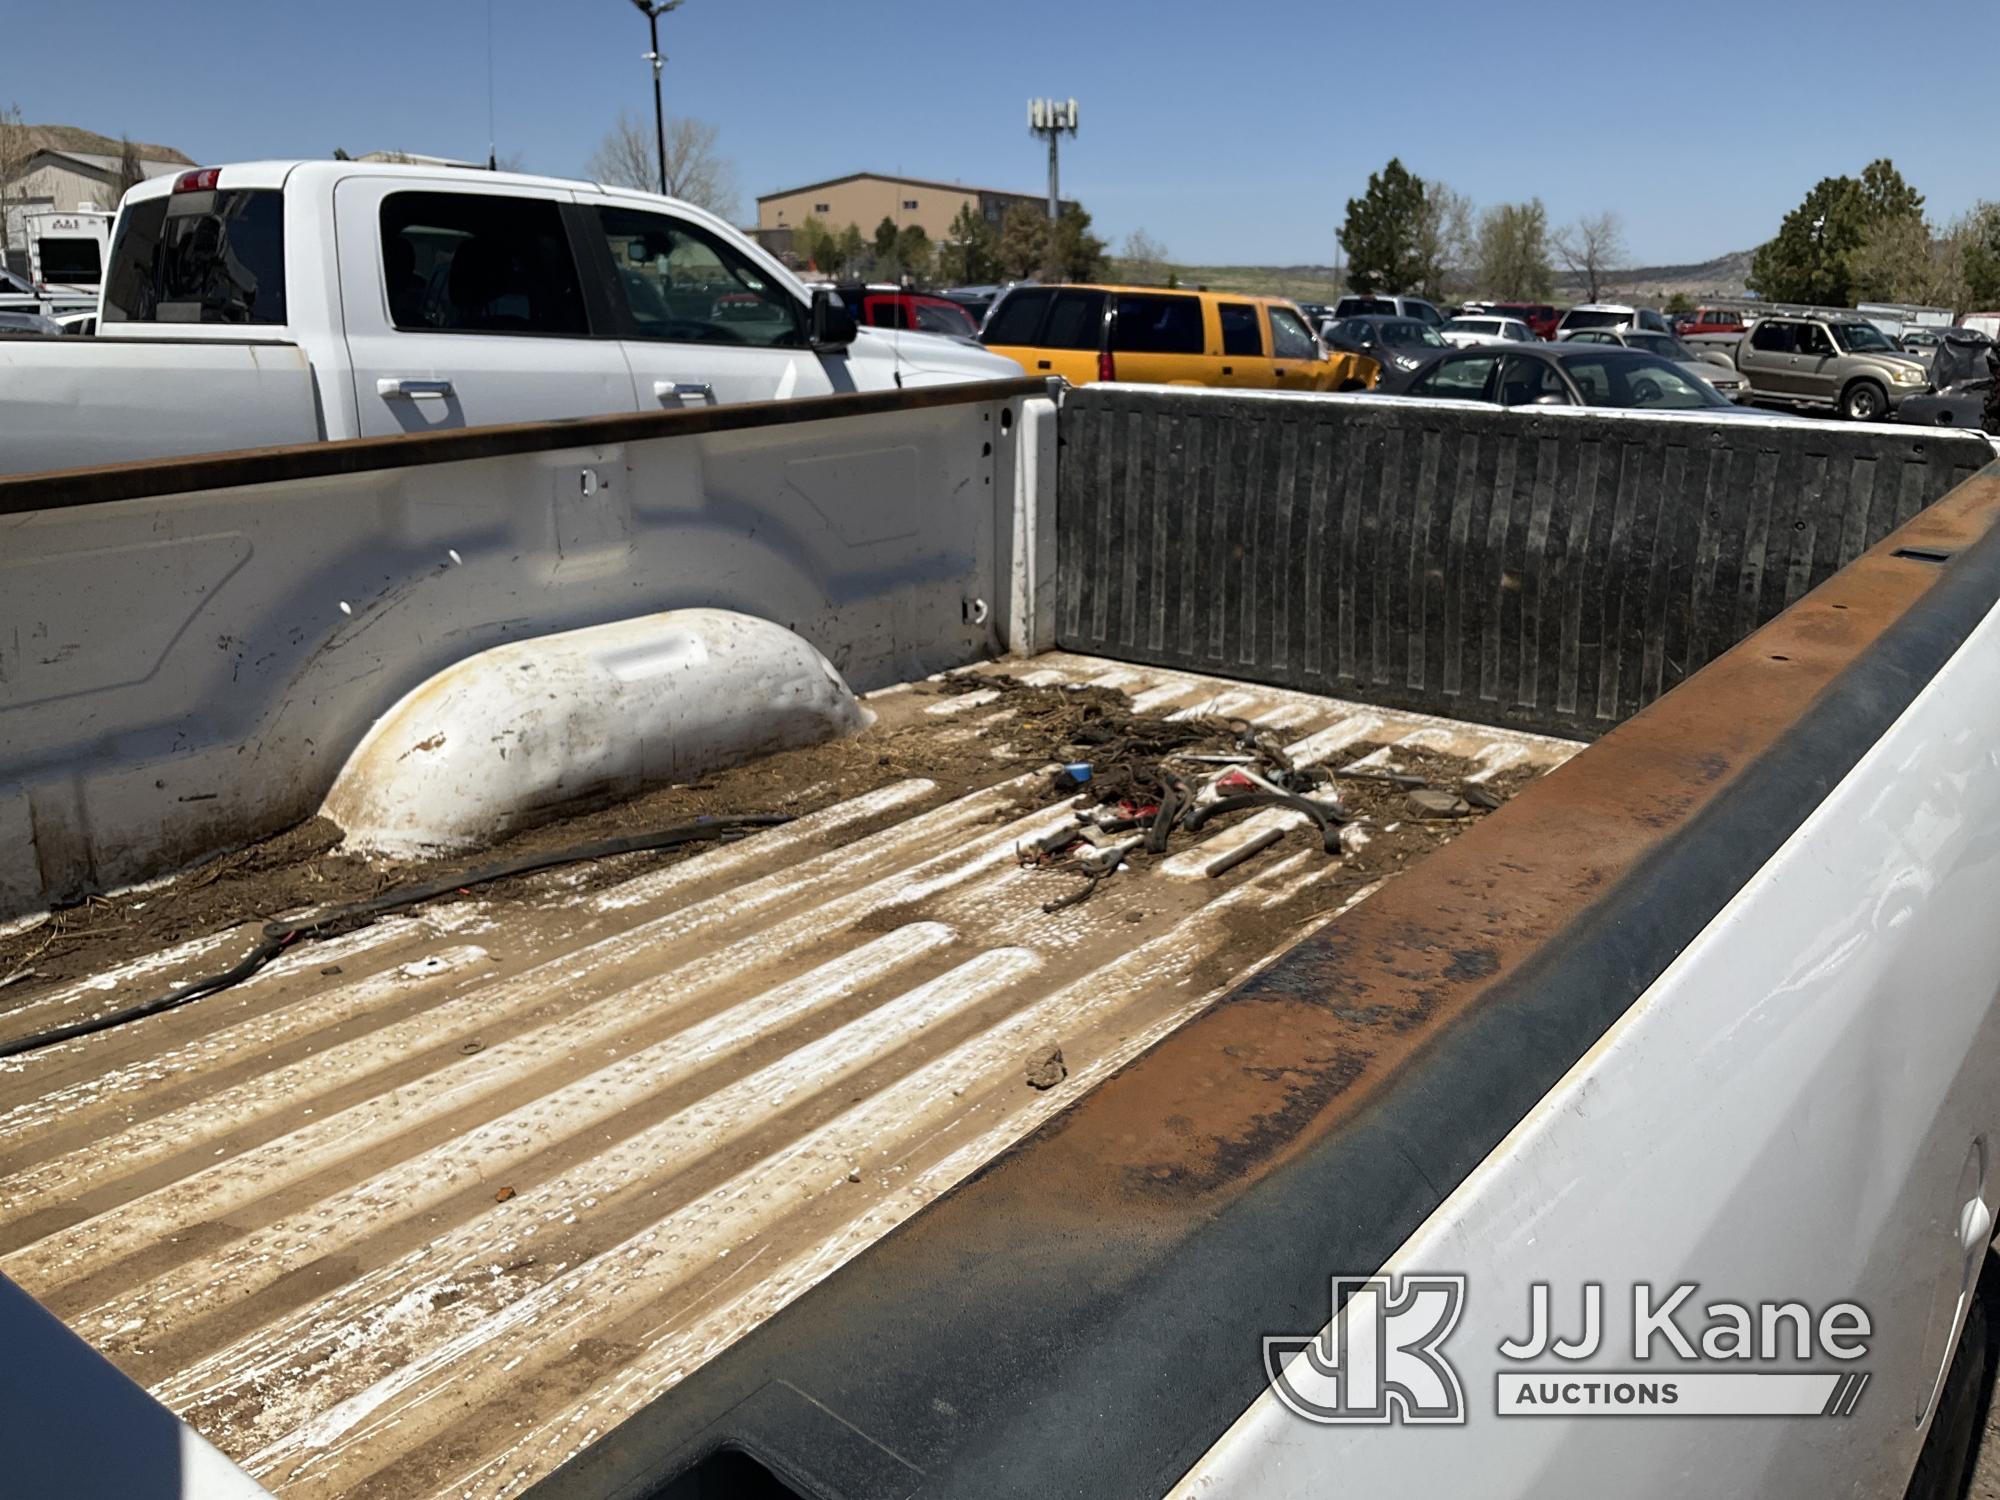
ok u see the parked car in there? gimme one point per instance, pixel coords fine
(1713, 368)
(1843, 364)
(1564, 374)
(1539, 316)
(1713, 320)
(1716, 329)
(1316, 312)
(1359, 306)
(892, 307)
(1924, 342)
(1962, 406)
(1147, 334)
(1394, 343)
(1471, 329)
(976, 300)
(278, 302)
(1962, 371)
(1987, 323)
(1610, 315)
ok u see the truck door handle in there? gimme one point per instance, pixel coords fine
(684, 391)
(414, 390)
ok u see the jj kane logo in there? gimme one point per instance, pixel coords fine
(1382, 1357)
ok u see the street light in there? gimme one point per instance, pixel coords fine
(652, 10)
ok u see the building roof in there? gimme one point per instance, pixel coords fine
(926, 182)
(151, 167)
(74, 140)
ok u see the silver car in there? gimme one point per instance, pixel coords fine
(1713, 369)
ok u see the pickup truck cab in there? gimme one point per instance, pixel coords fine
(336, 299)
(1847, 364)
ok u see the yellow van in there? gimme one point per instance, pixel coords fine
(1167, 336)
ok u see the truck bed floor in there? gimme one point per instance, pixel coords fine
(424, 1208)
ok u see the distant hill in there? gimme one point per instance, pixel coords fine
(1722, 277)
(1303, 283)
(89, 143)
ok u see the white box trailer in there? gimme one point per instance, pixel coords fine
(66, 257)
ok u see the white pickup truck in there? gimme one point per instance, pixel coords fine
(282, 302)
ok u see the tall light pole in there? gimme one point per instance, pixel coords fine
(653, 10)
(1053, 118)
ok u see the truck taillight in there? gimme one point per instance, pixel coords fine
(201, 180)
(1107, 368)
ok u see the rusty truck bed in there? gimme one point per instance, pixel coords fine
(424, 1208)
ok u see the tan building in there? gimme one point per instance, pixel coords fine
(63, 169)
(864, 199)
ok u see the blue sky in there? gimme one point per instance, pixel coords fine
(1230, 133)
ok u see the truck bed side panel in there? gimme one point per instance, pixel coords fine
(869, 524)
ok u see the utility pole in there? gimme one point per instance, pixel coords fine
(1053, 118)
(652, 10)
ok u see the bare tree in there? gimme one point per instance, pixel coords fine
(1145, 259)
(1591, 248)
(1444, 249)
(696, 171)
(16, 148)
(130, 173)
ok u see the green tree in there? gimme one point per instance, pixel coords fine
(1024, 242)
(969, 255)
(816, 246)
(1513, 252)
(1811, 258)
(1886, 195)
(851, 248)
(1850, 238)
(885, 238)
(913, 252)
(1978, 235)
(1074, 254)
(1383, 232)
(1678, 303)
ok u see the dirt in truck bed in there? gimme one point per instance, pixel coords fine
(1031, 725)
(420, 1208)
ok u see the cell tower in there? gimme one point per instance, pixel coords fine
(1053, 118)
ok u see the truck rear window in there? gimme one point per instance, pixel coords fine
(213, 257)
(70, 261)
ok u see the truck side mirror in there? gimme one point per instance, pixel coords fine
(833, 325)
